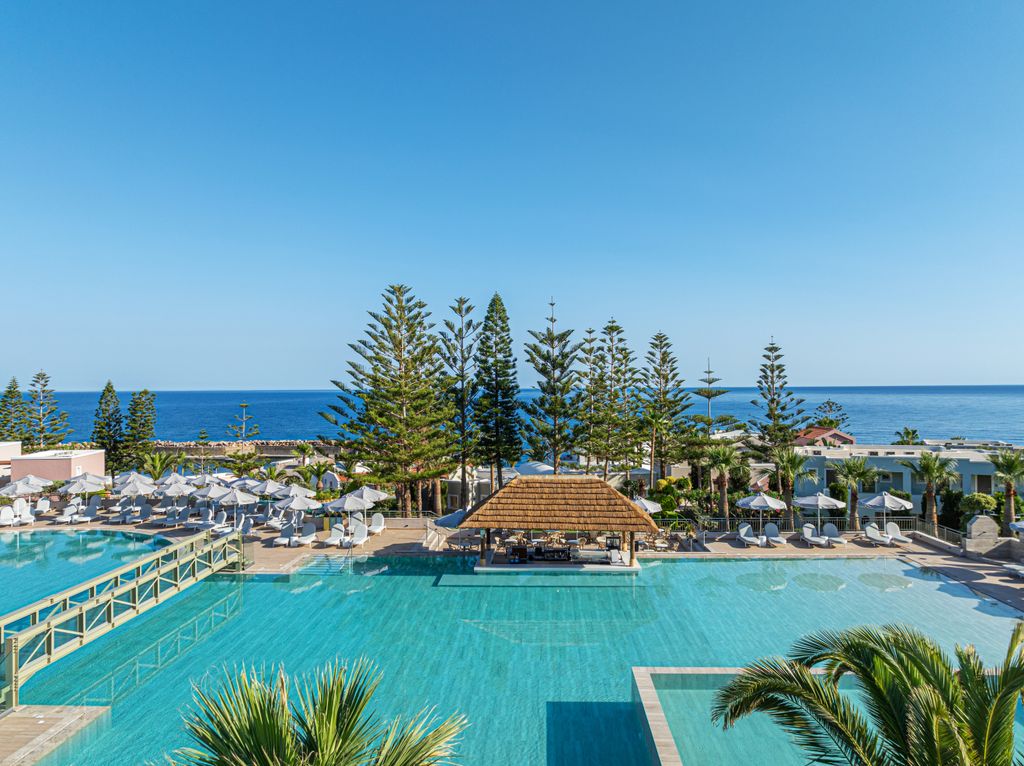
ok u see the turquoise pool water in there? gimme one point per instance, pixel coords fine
(539, 663)
(37, 563)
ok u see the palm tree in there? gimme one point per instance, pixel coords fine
(181, 462)
(933, 471)
(723, 458)
(907, 435)
(273, 472)
(243, 463)
(317, 471)
(252, 721)
(855, 472)
(791, 467)
(911, 706)
(304, 452)
(156, 464)
(1009, 467)
(305, 475)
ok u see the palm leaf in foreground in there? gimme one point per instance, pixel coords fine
(251, 721)
(909, 703)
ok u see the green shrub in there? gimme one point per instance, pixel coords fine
(950, 512)
(901, 493)
(976, 503)
(839, 492)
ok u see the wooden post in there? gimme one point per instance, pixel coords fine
(11, 671)
(629, 542)
(484, 538)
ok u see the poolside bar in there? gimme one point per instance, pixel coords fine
(563, 504)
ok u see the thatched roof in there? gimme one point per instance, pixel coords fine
(576, 503)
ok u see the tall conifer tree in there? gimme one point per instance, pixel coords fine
(393, 416)
(108, 429)
(782, 413)
(47, 423)
(620, 431)
(140, 424)
(665, 401)
(458, 346)
(14, 414)
(497, 405)
(589, 398)
(550, 429)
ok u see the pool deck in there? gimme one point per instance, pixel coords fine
(30, 732)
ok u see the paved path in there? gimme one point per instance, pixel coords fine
(30, 732)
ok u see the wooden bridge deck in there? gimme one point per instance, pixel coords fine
(28, 733)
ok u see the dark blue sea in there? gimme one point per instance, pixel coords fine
(979, 412)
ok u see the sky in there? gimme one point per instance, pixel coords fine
(203, 195)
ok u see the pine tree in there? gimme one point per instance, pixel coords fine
(497, 406)
(393, 416)
(550, 430)
(202, 444)
(108, 429)
(619, 431)
(244, 426)
(458, 346)
(782, 411)
(47, 424)
(14, 414)
(590, 395)
(830, 414)
(709, 393)
(701, 439)
(140, 425)
(665, 401)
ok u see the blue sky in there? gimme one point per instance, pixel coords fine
(211, 195)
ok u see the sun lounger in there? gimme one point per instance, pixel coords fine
(1014, 569)
(42, 505)
(24, 516)
(205, 517)
(893, 530)
(615, 557)
(771, 533)
(286, 536)
(220, 520)
(810, 536)
(746, 536)
(145, 514)
(831, 532)
(172, 519)
(376, 524)
(359, 535)
(337, 536)
(307, 536)
(7, 517)
(67, 514)
(89, 514)
(876, 537)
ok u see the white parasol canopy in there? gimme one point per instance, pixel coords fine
(236, 496)
(136, 486)
(761, 503)
(648, 505)
(27, 485)
(819, 502)
(292, 490)
(173, 478)
(886, 503)
(348, 504)
(369, 493)
(212, 492)
(297, 503)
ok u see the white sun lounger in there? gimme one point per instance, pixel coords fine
(89, 514)
(286, 536)
(42, 505)
(308, 535)
(359, 535)
(1014, 569)
(337, 536)
(7, 517)
(893, 530)
(205, 517)
(24, 515)
(810, 536)
(831, 532)
(876, 537)
(376, 524)
(745, 534)
(145, 514)
(771, 532)
(220, 520)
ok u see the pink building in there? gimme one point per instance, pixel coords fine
(58, 464)
(7, 451)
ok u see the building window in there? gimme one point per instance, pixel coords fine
(983, 483)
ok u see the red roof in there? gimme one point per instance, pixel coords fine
(817, 436)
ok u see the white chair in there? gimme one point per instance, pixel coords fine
(172, 519)
(218, 521)
(746, 536)
(830, 532)
(7, 517)
(205, 517)
(145, 514)
(307, 536)
(875, 536)
(337, 536)
(68, 514)
(376, 524)
(287, 532)
(771, 533)
(893, 530)
(89, 514)
(42, 505)
(810, 536)
(359, 535)
(24, 516)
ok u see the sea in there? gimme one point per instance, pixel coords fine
(875, 412)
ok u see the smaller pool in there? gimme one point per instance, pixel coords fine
(36, 563)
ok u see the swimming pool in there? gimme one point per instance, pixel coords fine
(37, 563)
(540, 663)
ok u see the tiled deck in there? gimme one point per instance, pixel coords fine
(30, 732)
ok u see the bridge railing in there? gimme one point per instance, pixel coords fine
(39, 634)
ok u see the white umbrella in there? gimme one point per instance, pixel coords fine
(101, 480)
(172, 478)
(885, 502)
(294, 489)
(453, 519)
(205, 479)
(267, 487)
(127, 476)
(297, 503)
(246, 483)
(369, 493)
(176, 490)
(818, 502)
(212, 492)
(761, 503)
(82, 485)
(348, 504)
(27, 485)
(37, 480)
(648, 505)
(135, 487)
(235, 496)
